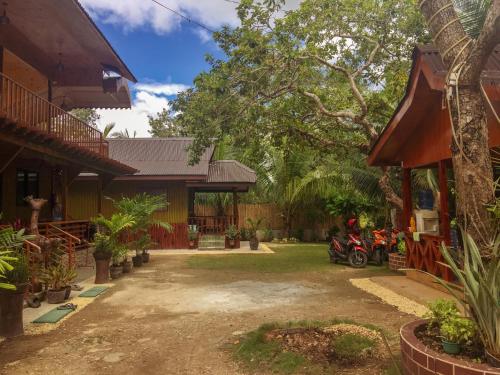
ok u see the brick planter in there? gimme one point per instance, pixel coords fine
(397, 261)
(421, 360)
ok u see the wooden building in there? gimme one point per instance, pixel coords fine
(53, 58)
(419, 136)
(163, 168)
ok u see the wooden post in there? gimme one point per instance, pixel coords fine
(444, 212)
(99, 194)
(64, 194)
(407, 202)
(191, 197)
(235, 209)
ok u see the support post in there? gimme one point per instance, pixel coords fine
(235, 209)
(64, 194)
(407, 203)
(99, 194)
(191, 197)
(444, 212)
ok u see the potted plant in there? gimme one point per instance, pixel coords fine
(119, 253)
(68, 277)
(455, 331)
(53, 277)
(232, 234)
(126, 264)
(253, 227)
(14, 277)
(102, 254)
(142, 208)
(192, 236)
(107, 244)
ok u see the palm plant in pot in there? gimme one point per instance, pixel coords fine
(53, 277)
(232, 234)
(192, 236)
(107, 244)
(14, 277)
(119, 253)
(142, 208)
(253, 227)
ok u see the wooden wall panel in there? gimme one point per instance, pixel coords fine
(82, 200)
(25, 74)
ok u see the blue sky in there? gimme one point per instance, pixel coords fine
(163, 51)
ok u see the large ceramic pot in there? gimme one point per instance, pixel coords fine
(11, 311)
(145, 257)
(56, 296)
(101, 269)
(115, 271)
(419, 359)
(137, 260)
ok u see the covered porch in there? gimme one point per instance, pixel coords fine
(419, 136)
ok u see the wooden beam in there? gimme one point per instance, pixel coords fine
(99, 194)
(444, 212)
(407, 201)
(191, 197)
(1, 61)
(235, 208)
(11, 159)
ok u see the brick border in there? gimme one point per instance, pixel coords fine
(397, 261)
(420, 360)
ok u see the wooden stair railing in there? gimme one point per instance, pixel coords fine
(68, 241)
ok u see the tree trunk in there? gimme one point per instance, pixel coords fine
(390, 194)
(470, 152)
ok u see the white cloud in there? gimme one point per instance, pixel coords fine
(149, 99)
(133, 14)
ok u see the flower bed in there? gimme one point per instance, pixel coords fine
(397, 261)
(419, 359)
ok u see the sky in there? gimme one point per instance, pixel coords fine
(164, 51)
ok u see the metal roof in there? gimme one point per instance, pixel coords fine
(159, 156)
(228, 171)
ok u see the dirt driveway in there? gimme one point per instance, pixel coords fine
(169, 319)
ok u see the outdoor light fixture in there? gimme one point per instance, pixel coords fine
(4, 20)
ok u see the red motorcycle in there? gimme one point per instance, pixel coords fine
(376, 247)
(351, 250)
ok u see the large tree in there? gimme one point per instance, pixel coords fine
(466, 33)
(327, 76)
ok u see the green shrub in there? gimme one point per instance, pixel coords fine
(440, 311)
(350, 347)
(20, 273)
(458, 330)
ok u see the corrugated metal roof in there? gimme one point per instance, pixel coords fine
(226, 171)
(159, 156)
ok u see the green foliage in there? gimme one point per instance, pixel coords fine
(20, 272)
(54, 276)
(441, 310)
(472, 14)
(103, 245)
(5, 266)
(349, 348)
(348, 204)
(232, 232)
(481, 281)
(253, 226)
(112, 228)
(87, 115)
(458, 330)
(268, 235)
(401, 246)
(13, 265)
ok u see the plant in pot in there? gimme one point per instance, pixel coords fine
(53, 277)
(67, 279)
(253, 227)
(480, 278)
(119, 253)
(232, 234)
(142, 208)
(456, 331)
(107, 243)
(14, 278)
(192, 236)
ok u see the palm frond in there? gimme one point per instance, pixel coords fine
(472, 14)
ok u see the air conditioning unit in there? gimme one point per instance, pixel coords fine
(427, 221)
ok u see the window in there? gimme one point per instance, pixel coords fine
(27, 184)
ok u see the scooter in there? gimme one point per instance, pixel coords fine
(376, 247)
(351, 250)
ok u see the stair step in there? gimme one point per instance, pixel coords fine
(211, 242)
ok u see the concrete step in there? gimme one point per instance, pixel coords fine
(211, 242)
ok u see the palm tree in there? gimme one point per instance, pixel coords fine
(107, 129)
(123, 134)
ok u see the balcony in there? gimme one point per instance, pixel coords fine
(27, 110)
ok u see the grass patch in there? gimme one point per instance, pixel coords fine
(348, 348)
(258, 355)
(289, 258)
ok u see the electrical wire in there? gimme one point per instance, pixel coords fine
(179, 14)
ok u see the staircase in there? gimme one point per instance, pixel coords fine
(211, 242)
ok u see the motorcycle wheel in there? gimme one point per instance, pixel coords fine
(378, 257)
(357, 259)
(333, 258)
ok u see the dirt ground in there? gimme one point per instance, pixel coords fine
(168, 319)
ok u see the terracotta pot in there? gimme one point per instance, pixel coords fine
(67, 288)
(232, 244)
(254, 244)
(56, 296)
(145, 257)
(137, 260)
(101, 270)
(11, 311)
(127, 266)
(115, 271)
(192, 244)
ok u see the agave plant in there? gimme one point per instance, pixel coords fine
(480, 279)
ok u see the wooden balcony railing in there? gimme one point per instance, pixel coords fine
(212, 224)
(27, 109)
